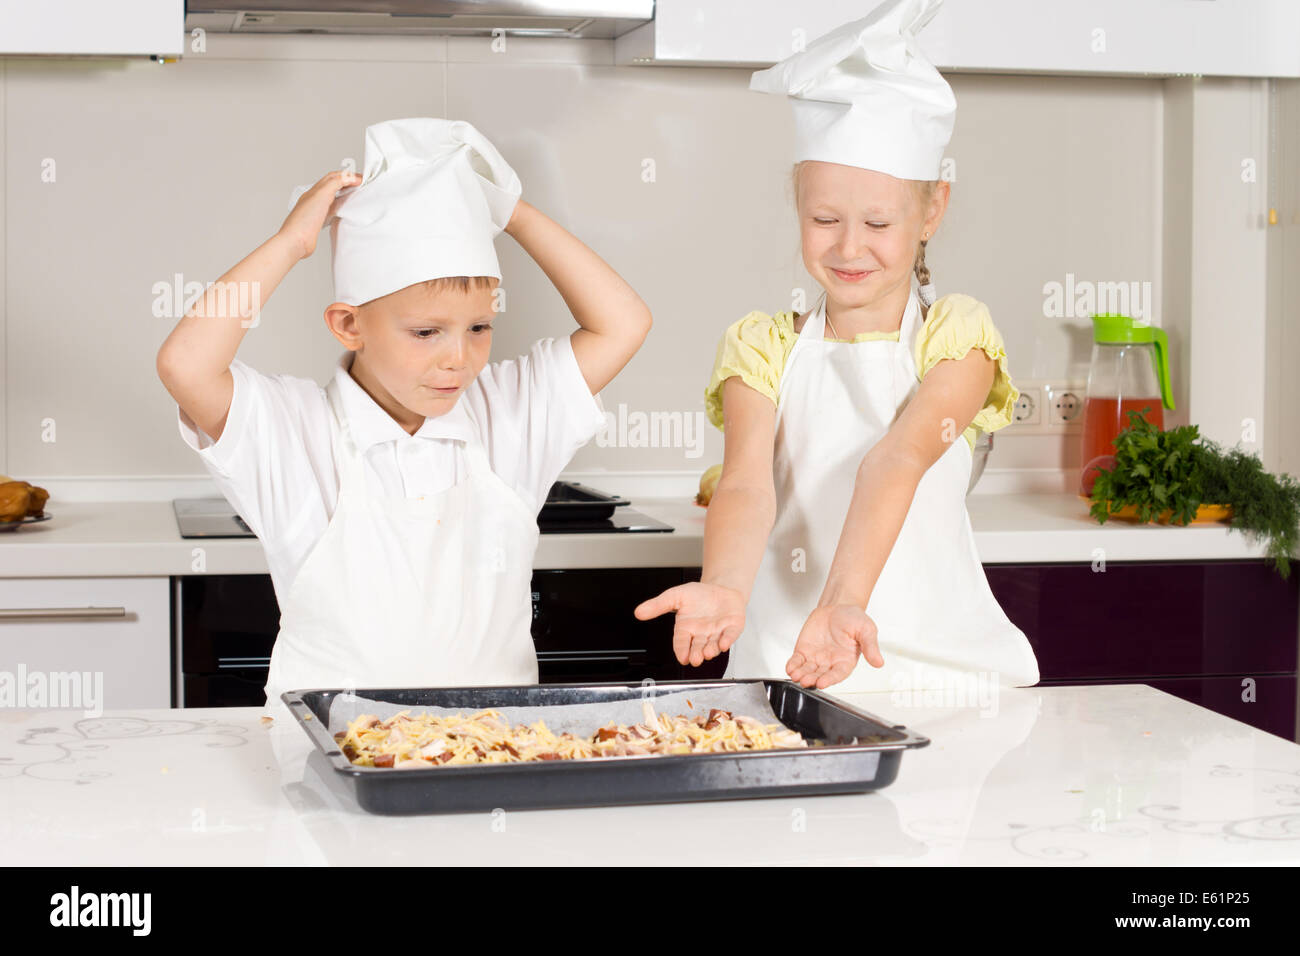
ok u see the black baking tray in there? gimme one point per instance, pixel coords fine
(833, 763)
(568, 500)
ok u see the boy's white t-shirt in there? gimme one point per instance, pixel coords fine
(274, 461)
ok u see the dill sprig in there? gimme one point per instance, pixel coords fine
(1176, 470)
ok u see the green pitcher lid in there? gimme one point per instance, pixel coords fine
(1111, 329)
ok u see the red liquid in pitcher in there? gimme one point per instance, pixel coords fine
(1103, 420)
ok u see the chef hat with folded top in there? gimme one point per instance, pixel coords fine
(433, 196)
(865, 95)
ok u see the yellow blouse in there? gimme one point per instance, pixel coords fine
(756, 348)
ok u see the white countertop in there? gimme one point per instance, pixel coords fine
(140, 538)
(1056, 776)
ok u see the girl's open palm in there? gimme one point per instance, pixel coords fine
(830, 643)
(709, 619)
(314, 208)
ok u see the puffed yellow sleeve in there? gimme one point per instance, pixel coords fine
(955, 325)
(753, 348)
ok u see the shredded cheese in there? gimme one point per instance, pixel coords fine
(405, 742)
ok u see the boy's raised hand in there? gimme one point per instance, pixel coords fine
(314, 208)
(709, 619)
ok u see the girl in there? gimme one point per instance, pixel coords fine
(838, 531)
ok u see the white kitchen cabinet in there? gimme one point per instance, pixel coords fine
(92, 27)
(1118, 37)
(114, 634)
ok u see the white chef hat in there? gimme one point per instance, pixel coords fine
(864, 94)
(434, 194)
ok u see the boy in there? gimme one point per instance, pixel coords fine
(398, 505)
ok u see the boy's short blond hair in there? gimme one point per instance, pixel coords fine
(448, 284)
(460, 283)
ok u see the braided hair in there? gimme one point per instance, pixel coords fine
(924, 193)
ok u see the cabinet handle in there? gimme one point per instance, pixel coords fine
(242, 663)
(60, 613)
(568, 657)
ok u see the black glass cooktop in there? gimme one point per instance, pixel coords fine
(623, 520)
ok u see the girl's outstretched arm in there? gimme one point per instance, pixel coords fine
(710, 614)
(838, 630)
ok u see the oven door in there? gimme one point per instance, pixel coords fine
(584, 629)
(226, 627)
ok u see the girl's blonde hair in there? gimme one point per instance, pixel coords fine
(922, 192)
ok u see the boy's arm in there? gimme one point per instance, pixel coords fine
(613, 317)
(194, 360)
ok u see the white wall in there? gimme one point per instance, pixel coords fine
(185, 168)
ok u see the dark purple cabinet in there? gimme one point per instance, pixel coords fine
(1211, 632)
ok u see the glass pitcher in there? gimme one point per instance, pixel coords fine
(1129, 372)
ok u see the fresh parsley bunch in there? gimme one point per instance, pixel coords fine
(1177, 471)
(1154, 470)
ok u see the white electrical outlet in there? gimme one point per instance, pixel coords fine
(1064, 406)
(1048, 408)
(1028, 410)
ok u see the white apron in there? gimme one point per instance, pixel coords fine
(938, 623)
(411, 592)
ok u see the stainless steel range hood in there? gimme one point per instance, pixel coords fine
(558, 18)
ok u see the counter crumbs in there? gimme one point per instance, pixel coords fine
(267, 721)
